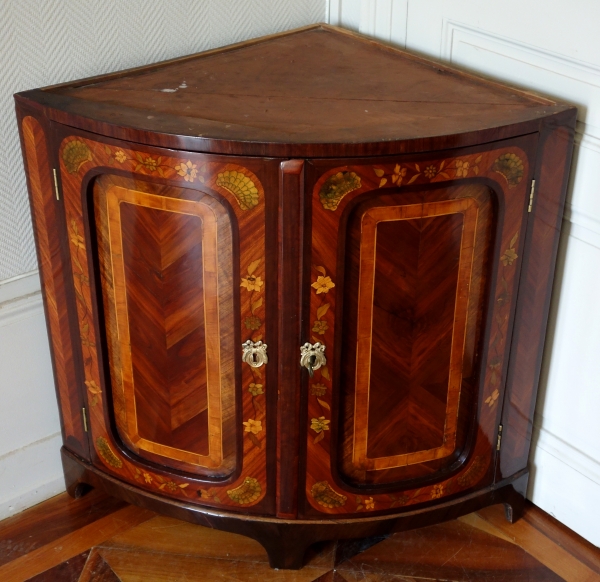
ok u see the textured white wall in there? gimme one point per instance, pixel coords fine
(556, 51)
(43, 42)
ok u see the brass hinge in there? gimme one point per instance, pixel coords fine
(531, 196)
(499, 442)
(85, 427)
(56, 184)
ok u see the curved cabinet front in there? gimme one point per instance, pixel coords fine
(172, 273)
(414, 272)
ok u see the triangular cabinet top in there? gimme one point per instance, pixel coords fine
(319, 91)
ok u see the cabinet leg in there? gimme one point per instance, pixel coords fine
(285, 547)
(514, 506)
(513, 511)
(74, 478)
(285, 554)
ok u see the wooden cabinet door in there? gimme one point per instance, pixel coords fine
(173, 270)
(414, 270)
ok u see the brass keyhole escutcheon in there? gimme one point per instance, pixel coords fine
(254, 353)
(312, 357)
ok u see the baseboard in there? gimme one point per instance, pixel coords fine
(30, 475)
(565, 483)
(19, 286)
(20, 297)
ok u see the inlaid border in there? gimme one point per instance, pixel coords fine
(115, 196)
(468, 207)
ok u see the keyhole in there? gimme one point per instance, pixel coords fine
(311, 362)
(253, 356)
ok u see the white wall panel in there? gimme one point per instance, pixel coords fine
(569, 30)
(346, 13)
(30, 469)
(554, 49)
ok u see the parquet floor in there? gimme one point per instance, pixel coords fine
(100, 539)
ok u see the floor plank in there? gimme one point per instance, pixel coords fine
(551, 528)
(453, 551)
(68, 571)
(545, 549)
(72, 544)
(166, 535)
(53, 519)
(142, 566)
(98, 570)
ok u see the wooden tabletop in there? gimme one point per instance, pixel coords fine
(318, 86)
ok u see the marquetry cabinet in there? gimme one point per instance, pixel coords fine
(297, 288)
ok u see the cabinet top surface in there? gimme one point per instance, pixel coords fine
(318, 85)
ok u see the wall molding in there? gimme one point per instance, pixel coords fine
(22, 308)
(30, 475)
(449, 26)
(564, 451)
(564, 493)
(585, 139)
(19, 286)
(20, 298)
(553, 70)
(382, 19)
(580, 81)
(334, 12)
(581, 226)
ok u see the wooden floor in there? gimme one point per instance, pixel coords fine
(97, 538)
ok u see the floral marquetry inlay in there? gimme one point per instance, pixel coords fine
(338, 184)
(511, 167)
(75, 154)
(336, 187)
(252, 286)
(510, 255)
(319, 423)
(107, 454)
(335, 193)
(242, 190)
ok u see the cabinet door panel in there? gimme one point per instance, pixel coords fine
(168, 290)
(414, 271)
(173, 268)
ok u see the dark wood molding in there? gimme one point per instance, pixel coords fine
(291, 188)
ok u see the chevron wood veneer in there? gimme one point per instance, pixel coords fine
(419, 314)
(164, 272)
